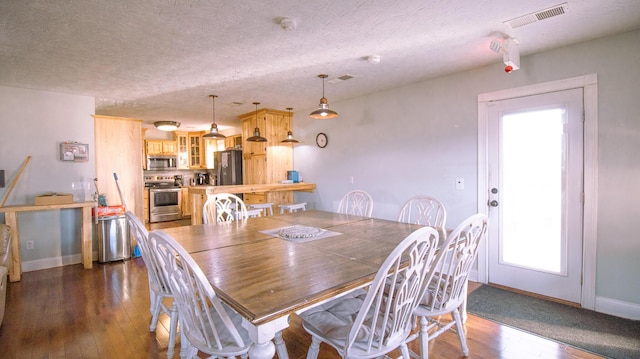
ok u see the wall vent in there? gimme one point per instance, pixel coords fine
(538, 16)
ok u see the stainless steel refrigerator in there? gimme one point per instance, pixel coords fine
(228, 165)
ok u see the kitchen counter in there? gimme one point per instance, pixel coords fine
(276, 193)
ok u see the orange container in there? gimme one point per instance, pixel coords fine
(106, 211)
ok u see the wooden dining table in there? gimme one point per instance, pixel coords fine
(266, 278)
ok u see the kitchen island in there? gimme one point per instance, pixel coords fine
(276, 193)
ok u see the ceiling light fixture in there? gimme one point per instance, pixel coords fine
(256, 132)
(167, 125)
(213, 133)
(323, 112)
(290, 138)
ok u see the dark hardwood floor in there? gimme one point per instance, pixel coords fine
(70, 312)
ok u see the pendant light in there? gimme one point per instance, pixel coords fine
(323, 112)
(290, 138)
(213, 133)
(256, 132)
(167, 125)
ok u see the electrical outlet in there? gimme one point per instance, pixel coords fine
(29, 244)
(459, 183)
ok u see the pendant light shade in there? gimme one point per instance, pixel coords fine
(256, 132)
(290, 138)
(167, 125)
(213, 133)
(323, 112)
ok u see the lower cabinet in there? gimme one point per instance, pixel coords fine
(186, 202)
(146, 205)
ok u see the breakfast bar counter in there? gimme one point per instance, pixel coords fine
(276, 193)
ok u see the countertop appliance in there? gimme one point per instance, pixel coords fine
(202, 179)
(165, 198)
(228, 166)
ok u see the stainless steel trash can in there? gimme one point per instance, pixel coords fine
(114, 241)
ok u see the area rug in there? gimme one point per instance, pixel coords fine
(601, 334)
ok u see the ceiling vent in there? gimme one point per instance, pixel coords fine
(538, 16)
(340, 79)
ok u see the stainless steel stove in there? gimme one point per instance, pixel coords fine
(165, 198)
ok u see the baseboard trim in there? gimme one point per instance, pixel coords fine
(618, 308)
(53, 262)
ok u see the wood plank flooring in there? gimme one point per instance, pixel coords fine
(70, 312)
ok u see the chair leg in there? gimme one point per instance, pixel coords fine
(156, 300)
(314, 348)
(184, 343)
(281, 347)
(424, 338)
(460, 329)
(173, 328)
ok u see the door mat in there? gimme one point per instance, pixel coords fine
(598, 333)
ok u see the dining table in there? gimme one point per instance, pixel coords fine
(269, 268)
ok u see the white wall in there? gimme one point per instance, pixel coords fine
(34, 123)
(419, 138)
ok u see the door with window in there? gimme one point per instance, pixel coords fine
(535, 177)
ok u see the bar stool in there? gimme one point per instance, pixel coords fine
(254, 212)
(263, 206)
(294, 207)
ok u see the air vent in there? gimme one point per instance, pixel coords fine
(340, 79)
(538, 16)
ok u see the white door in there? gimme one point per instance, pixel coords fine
(536, 193)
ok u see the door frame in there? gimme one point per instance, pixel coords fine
(589, 84)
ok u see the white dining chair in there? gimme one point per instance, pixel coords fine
(209, 325)
(371, 322)
(357, 203)
(447, 290)
(223, 207)
(424, 210)
(159, 288)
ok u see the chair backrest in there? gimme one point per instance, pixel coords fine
(157, 278)
(453, 265)
(423, 210)
(5, 245)
(385, 318)
(357, 202)
(223, 207)
(203, 318)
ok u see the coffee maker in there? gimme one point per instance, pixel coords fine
(202, 179)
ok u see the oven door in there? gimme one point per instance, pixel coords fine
(164, 204)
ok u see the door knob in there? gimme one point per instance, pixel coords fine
(493, 203)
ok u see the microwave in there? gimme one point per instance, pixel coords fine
(162, 162)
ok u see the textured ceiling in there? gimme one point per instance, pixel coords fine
(160, 59)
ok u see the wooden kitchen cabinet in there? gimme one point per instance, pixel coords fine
(266, 162)
(160, 147)
(186, 202)
(182, 143)
(232, 141)
(146, 205)
(196, 146)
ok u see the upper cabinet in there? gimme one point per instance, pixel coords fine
(233, 141)
(266, 162)
(196, 158)
(182, 141)
(159, 147)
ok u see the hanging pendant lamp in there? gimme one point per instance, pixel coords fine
(256, 132)
(323, 112)
(213, 133)
(290, 138)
